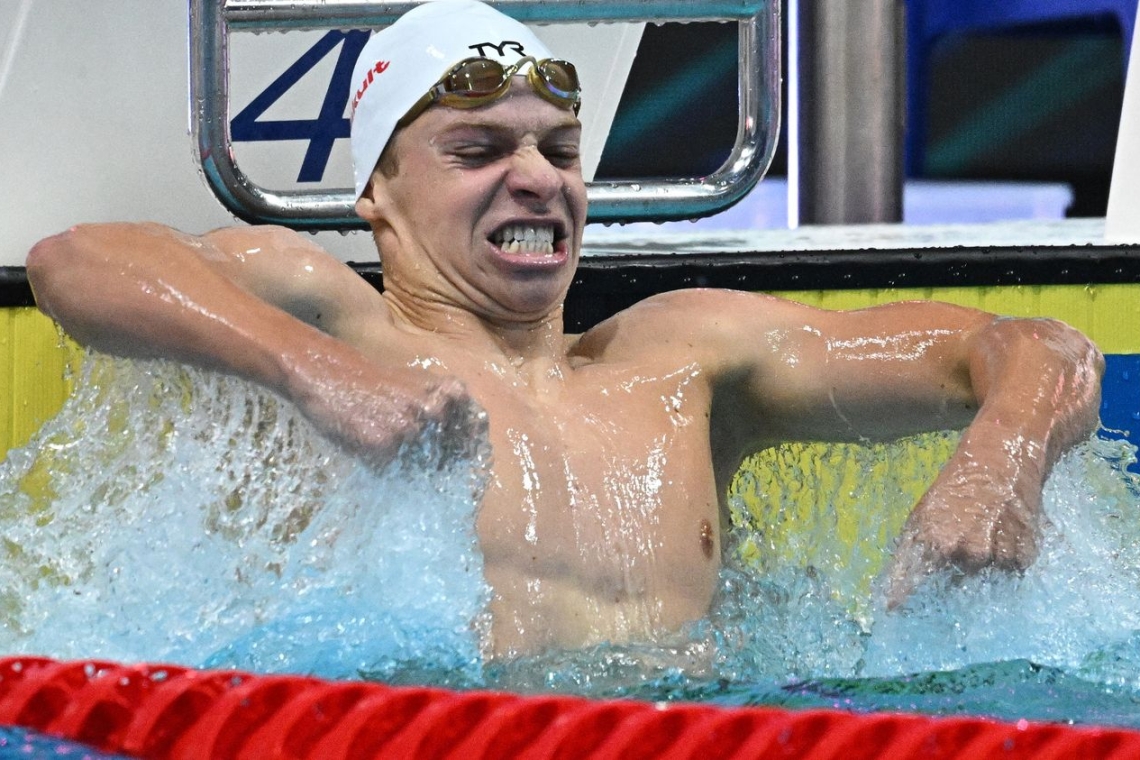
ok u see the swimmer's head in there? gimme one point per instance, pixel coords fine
(405, 67)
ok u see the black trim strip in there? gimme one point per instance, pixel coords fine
(14, 288)
(605, 285)
(611, 281)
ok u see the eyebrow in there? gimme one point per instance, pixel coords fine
(570, 124)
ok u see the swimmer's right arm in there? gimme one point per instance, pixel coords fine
(144, 290)
(274, 264)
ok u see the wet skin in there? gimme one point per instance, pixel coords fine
(591, 525)
(611, 450)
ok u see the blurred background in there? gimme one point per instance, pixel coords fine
(1006, 91)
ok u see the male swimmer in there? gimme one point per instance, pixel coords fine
(612, 450)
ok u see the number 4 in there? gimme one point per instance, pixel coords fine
(321, 132)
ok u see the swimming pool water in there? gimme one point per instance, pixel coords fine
(23, 744)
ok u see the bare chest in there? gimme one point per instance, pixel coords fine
(599, 521)
(603, 479)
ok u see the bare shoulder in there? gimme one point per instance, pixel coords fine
(702, 322)
(272, 248)
(289, 270)
(724, 329)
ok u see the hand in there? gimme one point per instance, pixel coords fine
(375, 411)
(979, 513)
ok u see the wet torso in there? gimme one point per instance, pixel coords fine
(600, 519)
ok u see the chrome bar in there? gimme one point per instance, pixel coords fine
(360, 14)
(850, 98)
(658, 199)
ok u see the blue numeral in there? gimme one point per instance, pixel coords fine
(321, 132)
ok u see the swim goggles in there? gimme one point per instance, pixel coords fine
(477, 81)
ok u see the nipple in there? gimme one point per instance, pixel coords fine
(707, 539)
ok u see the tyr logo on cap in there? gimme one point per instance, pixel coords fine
(500, 49)
(378, 68)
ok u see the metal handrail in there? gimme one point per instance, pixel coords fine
(659, 199)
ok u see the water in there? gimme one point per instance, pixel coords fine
(21, 744)
(173, 515)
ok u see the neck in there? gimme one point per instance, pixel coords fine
(515, 340)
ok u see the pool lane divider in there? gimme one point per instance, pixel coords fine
(177, 713)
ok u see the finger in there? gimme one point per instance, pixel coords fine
(909, 567)
(1014, 550)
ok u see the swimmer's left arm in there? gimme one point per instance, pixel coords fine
(1026, 390)
(795, 372)
(1038, 385)
(898, 369)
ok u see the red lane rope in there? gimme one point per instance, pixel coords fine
(168, 712)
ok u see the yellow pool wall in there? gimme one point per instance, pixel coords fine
(34, 357)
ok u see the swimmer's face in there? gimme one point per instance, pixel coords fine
(468, 183)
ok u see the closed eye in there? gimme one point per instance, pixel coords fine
(477, 154)
(562, 156)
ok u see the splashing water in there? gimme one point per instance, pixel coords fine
(177, 515)
(171, 514)
(800, 620)
(1077, 603)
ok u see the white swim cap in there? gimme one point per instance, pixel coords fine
(402, 62)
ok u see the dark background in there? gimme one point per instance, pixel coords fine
(1033, 103)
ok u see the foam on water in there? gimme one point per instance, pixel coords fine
(171, 514)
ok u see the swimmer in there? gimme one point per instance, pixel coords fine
(612, 450)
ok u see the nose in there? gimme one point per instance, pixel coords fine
(532, 178)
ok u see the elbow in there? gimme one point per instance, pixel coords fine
(1079, 367)
(1061, 345)
(60, 265)
(46, 266)
(1075, 350)
(1088, 369)
(1061, 361)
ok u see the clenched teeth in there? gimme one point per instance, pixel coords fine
(525, 238)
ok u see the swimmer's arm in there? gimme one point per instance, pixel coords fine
(141, 289)
(1027, 390)
(794, 372)
(290, 271)
(877, 374)
(147, 291)
(1038, 385)
(884, 372)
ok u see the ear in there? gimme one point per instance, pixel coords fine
(377, 204)
(374, 203)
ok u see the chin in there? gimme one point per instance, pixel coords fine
(525, 304)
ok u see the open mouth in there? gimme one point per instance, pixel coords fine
(526, 238)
